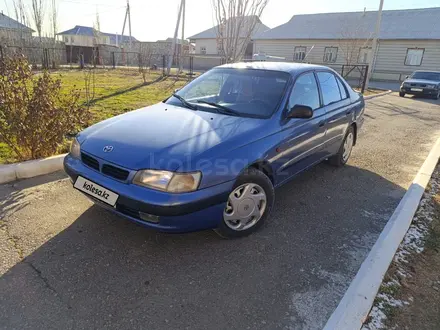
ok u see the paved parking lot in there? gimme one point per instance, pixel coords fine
(86, 268)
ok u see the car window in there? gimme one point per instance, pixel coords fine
(342, 89)
(305, 92)
(249, 92)
(329, 87)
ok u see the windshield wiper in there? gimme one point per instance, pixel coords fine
(224, 110)
(185, 102)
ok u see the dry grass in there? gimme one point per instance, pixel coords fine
(423, 287)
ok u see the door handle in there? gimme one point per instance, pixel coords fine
(321, 124)
(348, 113)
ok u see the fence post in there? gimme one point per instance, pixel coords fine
(113, 60)
(163, 65)
(364, 82)
(1, 53)
(191, 66)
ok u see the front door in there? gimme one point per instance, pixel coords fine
(302, 139)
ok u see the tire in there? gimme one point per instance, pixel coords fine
(401, 94)
(255, 180)
(436, 97)
(341, 158)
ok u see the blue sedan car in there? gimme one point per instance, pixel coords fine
(211, 154)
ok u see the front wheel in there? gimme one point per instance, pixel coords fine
(436, 97)
(248, 205)
(401, 94)
(344, 152)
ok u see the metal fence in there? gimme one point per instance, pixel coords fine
(38, 57)
(190, 65)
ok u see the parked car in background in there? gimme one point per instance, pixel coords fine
(211, 154)
(422, 83)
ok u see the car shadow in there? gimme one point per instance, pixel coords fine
(105, 272)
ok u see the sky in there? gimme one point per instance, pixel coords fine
(153, 20)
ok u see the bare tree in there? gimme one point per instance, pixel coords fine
(54, 19)
(38, 7)
(354, 35)
(236, 21)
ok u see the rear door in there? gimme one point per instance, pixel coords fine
(302, 139)
(337, 105)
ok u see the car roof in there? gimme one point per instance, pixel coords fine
(292, 68)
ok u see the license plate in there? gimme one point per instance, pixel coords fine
(96, 191)
(417, 89)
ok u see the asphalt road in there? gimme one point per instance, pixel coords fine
(67, 264)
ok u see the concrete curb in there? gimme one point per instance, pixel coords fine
(369, 97)
(356, 303)
(31, 168)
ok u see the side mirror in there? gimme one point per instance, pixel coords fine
(406, 77)
(300, 111)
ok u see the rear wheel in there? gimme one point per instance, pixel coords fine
(401, 94)
(248, 205)
(344, 152)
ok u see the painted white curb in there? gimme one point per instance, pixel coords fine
(377, 95)
(356, 303)
(31, 168)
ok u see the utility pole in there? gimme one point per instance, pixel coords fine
(183, 34)
(127, 14)
(129, 22)
(173, 44)
(374, 44)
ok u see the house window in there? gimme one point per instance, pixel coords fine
(66, 38)
(72, 40)
(203, 50)
(414, 56)
(330, 54)
(299, 53)
(364, 55)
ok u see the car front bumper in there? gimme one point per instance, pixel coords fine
(424, 91)
(198, 210)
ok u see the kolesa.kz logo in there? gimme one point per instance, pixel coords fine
(95, 190)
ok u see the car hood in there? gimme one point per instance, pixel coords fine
(421, 81)
(161, 136)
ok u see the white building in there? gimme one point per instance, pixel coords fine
(208, 41)
(409, 40)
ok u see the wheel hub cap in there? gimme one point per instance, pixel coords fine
(245, 206)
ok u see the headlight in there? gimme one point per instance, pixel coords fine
(430, 86)
(168, 181)
(75, 149)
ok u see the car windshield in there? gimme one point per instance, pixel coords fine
(243, 92)
(435, 76)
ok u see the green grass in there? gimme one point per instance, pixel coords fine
(116, 92)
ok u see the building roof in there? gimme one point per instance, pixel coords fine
(396, 24)
(9, 23)
(89, 31)
(288, 67)
(212, 32)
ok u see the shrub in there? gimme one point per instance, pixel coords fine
(35, 115)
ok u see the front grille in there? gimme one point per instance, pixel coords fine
(115, 172)
(418, 85)
(90, 161)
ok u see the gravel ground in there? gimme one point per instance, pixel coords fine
(68, 264)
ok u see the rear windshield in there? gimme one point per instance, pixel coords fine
(435, 76)
(249, 92)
